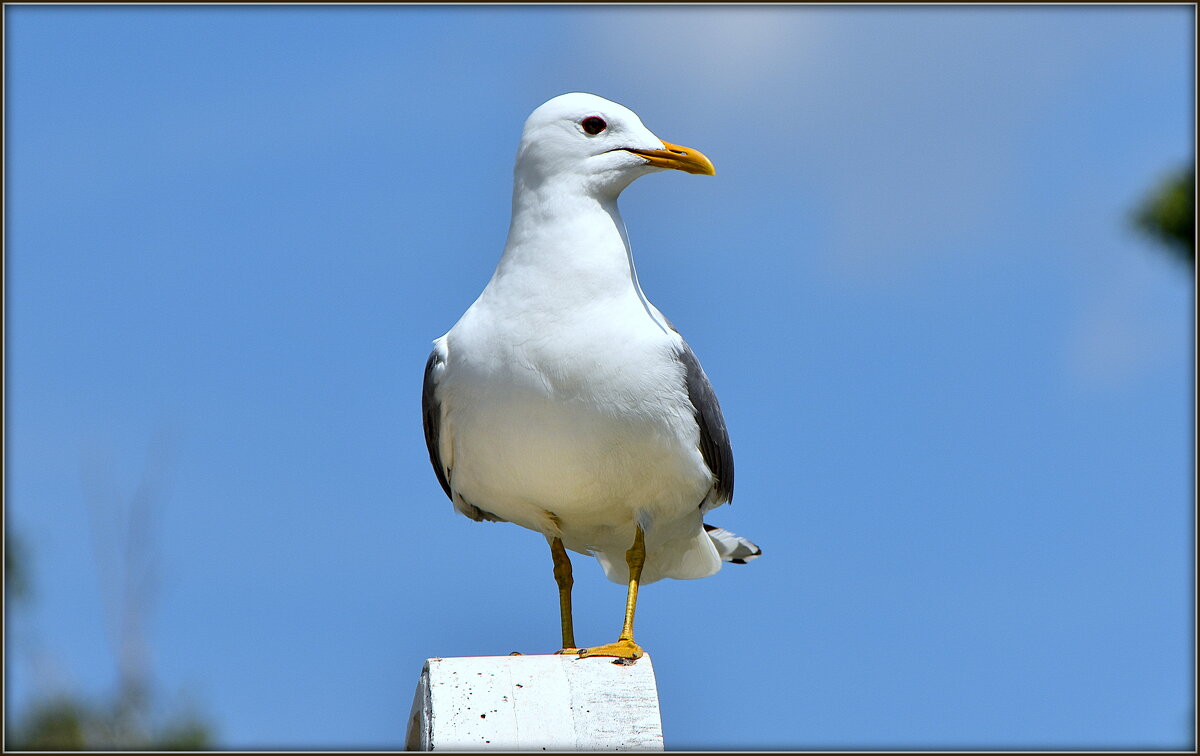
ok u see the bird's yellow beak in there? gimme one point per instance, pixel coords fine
(680, 158)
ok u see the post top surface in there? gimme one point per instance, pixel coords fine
(536, 702)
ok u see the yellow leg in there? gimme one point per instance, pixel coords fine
(562, 576)
(625, 648)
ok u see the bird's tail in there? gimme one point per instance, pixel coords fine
(732, 548)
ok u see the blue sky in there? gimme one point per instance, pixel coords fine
(958, 382)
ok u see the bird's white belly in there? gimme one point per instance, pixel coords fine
(578, 451)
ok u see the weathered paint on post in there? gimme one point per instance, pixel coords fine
(535, 703)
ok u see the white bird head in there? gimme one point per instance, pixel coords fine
(579, 141)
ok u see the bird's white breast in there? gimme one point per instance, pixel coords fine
(571, 421)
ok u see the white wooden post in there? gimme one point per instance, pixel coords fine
(535, 703)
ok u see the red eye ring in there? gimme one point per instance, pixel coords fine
(593, 125)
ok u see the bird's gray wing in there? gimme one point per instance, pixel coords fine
(431, 418)
(714, 438)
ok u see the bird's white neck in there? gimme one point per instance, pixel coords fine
(564, 244)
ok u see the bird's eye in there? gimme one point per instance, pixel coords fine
(593, 125)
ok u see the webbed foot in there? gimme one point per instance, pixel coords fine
(621, 649)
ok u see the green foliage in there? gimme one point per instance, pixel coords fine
(1169, 213)
(65, 723)
(128, 720)
(185, 735)
(53, 725)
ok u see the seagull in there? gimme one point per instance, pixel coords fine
(563, 401)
